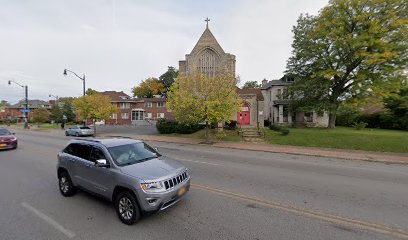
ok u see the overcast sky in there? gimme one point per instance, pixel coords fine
(118, 43)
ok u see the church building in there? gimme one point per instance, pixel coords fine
(208, 57)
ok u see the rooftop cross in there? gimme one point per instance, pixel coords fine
(207, 20)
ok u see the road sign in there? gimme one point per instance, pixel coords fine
(25, 110)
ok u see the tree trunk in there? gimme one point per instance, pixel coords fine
(94, 121)
(332, 119)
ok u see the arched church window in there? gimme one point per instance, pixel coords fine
(208, 63)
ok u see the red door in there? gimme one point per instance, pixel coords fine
(244, 117)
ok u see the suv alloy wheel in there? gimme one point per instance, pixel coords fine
(127, 208)
(65, 185)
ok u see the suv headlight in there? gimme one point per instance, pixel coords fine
(152, 187)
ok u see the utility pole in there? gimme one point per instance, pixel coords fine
(26, 110)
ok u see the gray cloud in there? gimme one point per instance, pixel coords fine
(119, 43)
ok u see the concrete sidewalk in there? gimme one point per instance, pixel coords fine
(401, 158)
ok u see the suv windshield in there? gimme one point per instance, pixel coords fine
(4, 132)
(132, 153)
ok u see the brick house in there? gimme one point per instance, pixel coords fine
(137, 111)
(13, 112)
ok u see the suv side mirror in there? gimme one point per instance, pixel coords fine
(101, 163)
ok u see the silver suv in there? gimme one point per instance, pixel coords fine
(128, 172)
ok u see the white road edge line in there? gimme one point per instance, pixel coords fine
(215, 164)
(49, 220)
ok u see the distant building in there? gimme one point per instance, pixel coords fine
(277, 108)
(136, 111)
(13, 112)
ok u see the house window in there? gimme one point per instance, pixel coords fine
(160, 115)
(148, 115)
(114, 116)
(308, 117)
(149, 104)
(125, 116)
(279, 95)
(160, 104)
(124, 105)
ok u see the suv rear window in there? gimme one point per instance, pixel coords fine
(79, 150)
(84, 127)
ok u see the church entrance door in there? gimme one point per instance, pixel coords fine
(244, 117)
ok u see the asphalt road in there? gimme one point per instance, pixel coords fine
(235, 194)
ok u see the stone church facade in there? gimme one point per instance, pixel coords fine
(208, 57)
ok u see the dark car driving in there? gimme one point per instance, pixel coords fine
(7, 139)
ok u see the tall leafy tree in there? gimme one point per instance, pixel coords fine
(197, 99)
(90, 91)
(67, 109)
(96, 107)
(169, 77)
(251, 84)
(40, 115)
(148, 88)
(56, 113)
(351, 49)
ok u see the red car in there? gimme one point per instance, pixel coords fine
(7, 139)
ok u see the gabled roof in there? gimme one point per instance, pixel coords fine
(207, 40)
(117, 96)
(271, 83)
(31, 104)
(251, 91)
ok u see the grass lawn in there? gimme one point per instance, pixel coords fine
(341, 137)
(230, 135)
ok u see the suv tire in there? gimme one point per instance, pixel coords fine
(66, 133)
(66, 187)
(127, 208)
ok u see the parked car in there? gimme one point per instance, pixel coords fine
(8, 140)
(127, 172)
(79, 131)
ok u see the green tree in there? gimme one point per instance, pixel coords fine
(40, 115)
(397, 104)
(56, 113)
(251, 84)
(200, 99)
(67, 109)
(91, 91)
(169, 77)
(96, 107)
(148, 88)
(351, 49)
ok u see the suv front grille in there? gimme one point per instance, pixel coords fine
(172, 182)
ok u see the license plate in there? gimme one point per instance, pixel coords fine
(3, 144)
(181, 191)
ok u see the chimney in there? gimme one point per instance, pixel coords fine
(264, 81)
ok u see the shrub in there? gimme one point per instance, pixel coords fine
(232, 125)
(275, 127)
(359, 125)
(281, 130)
(166, 127)
(284, 131)
(347, 115)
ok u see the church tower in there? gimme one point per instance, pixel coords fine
(207, 57)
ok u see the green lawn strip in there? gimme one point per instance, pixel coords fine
(346, 138)
(230, 135)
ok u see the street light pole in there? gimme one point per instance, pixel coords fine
(26, 101)
(82, 78)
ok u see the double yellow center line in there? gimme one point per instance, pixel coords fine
(378, 228)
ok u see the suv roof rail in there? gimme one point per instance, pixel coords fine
(89, 140)
(113, 136)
